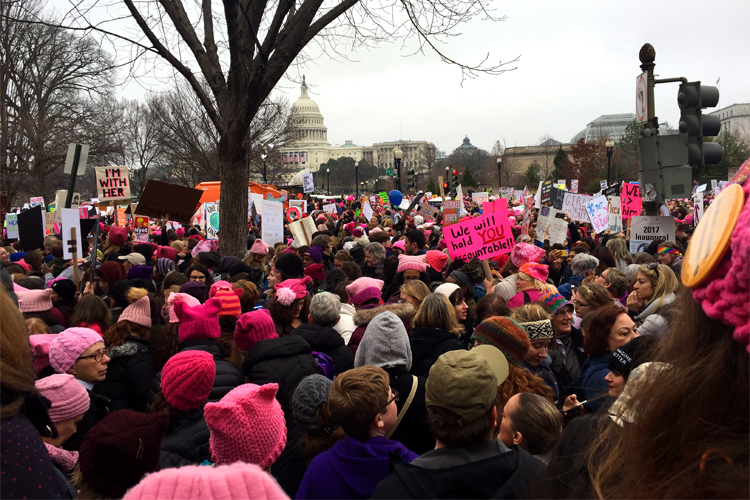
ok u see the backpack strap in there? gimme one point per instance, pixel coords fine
(414, 384)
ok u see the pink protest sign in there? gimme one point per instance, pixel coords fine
(631, 201)
(488, 207)
(484, 237)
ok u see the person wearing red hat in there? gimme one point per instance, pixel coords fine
(531, 284)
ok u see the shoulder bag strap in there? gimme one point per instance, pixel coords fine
(414, 384)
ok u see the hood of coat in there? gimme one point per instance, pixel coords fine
(404, 311)
(656, 305)
(320, 338)
(282, 347)
(347, 309)
(130, 347)
(424, 340)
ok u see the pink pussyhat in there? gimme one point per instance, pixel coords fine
(177, 297)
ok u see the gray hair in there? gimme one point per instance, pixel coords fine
(377, 251)
(631, 271)
(583, 263)
(324, 308)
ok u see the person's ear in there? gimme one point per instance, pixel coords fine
(378, 422)
(493, 416)
(338, 318)
(310, 319)
(72, 371)
(517, 438)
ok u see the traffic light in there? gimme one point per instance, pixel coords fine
(410, 179)
(692, 98)
(446, 188)
(455, 182)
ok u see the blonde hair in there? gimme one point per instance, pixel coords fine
(595, 294)
(416, 289)
(663, 282)
(436, 311)
(538, 285)
(530, 312)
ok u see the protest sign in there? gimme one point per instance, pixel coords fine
(714, 183)
(613, 190)
(664, 210)
(122, 217)
(698, 205)
(113, 183)
(558, 198)
(488, 207)
(597, 209)
(575, 206)
(603, 185)
(484, 237)
(558, 228)
(614, 214)
(367, 210)
(307, 183)
(37, 201)
(630, 200)
(701, 188)
(49, 220)
(480, 198)
(330, 208)
(561, 182)
(574, 186)
(273, 222)
(12, 221)
(639, 245)
(141, 228)
(652, 227)
(163, 200)
(212, 221)
(383, 196)
(71, 220)
(302, 231)
(450, 212)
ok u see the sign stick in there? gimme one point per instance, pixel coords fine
(73, 242)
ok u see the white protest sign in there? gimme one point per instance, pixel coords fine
(698, 205)
(701, 188)
(330, 208)
(70, 219)
(597, 210)
(37, 201)
(367, 210)
(405, 202)
(652, 227)
(575, 206)
(603, 184)
(664, 210)
(639, 245)
(480, 198)
(273, 222)
(558, 228)
(257, 199)
(212, 221)
(307, 183)
(112, 183)
(538, 196)
(301, 204)
(615, 215)
(460, 196)
(714, 183)
(12, 220)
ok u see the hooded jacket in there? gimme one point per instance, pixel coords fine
(504, 475)
(427, 344)
(346, 325)
(351, 468)
(651, 320)
(130, 372)
(363, 317)
(328, 341)
(566, 289)
(590, 383)
(186, 440)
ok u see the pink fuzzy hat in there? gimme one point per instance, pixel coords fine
(524, 252)
(415, 262)
(139, 312)
(180, 232)
(204, 246)
(198, 322)
(238, 481)
(253, 327)
(363, 289)
(35, 300)
(216, 286)
(290, 290)
(166, 253)
(177, 297)
(69, 398)
(40, 345)
(247, 425)
(69, 345)
(535, 270)
(259, 247)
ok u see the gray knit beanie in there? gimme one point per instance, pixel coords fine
(385, 343)
(311, 392)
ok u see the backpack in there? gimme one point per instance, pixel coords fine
(325, 365)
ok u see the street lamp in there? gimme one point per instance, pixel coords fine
(609, 145)
(266, 147)
(499, 170)
(328, 171)
(356, 179)
(397, 156)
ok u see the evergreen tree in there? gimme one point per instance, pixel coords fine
(432, 187)
(531, 177)
(560, 161)
(468, 179)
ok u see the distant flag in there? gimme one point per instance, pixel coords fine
(717, 80)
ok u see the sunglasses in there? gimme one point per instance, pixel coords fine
(653, 267)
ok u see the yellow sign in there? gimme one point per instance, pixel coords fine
(711, 238)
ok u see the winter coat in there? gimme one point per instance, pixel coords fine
(373, 271)
(556, 277)
(327, 340)
(567, 367)
(651, 321)
(363, 317)
(186, 440)
(290, 467)
(98, 409)
(501, 475)
(284, 361)
(129, 375)
(351, 468)
(346, 325)
(412, 431)
(427, 344)
(228, 376)
(566, 289)
(590, 383)
(546, 374)
(507, 287)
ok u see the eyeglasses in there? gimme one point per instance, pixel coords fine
(410, 278)
(196, 277)
(580, 304)
(98, 355)
(394, 398)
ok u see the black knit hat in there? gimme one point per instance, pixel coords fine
(290, 265)
(634, 353)
(118, 451)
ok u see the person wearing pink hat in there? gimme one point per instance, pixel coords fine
(520, 255)
(531, 284)
(398, 248)
(290, 305)
(38, 304)
(410, 267)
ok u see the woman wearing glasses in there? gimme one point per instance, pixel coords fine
(653, 289)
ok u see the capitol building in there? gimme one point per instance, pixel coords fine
(312, 148)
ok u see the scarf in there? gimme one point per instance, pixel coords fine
(63, 459)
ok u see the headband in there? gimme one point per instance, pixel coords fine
(667, 250)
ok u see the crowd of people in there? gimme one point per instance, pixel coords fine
(371, 364)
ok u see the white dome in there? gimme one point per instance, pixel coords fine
(312, 129)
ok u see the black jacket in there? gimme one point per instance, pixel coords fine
(412, 431)
(186, 440)
(284, 361)
(427, 344)
(508, 475)
(228, 376)
(328, 341)
(98, 409)
(129, 375)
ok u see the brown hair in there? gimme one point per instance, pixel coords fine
(280, 312)
(166, 345)
(437, 312)
(91, 310)
(352, 270)
(531, 312)
(538, 421)
(356, 397)
(491, 305)
(34, 259)
(663, 281)
(597, 327)
(16, 373)
(36, 326)
(250, 295)
(595, 295)
(312, 444)
(520, 380)
(444, 428)
(117, 333)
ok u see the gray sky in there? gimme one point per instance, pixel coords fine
(578, 60)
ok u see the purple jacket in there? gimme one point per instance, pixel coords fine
(351, 469)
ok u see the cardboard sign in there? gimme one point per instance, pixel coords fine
(12, 222)
(49, 221)
(142, 228)
(614, 214)
(484, 237)
(163, 200)
(652, 227)
(71, 220)
(426, 211)
(212, 221)
(273, 222)
(31, 229)
(113, 183)
(597, 209)
(302, 231)
(330, 208)
(631, 201)
(307, 183)
(558, 228)
(37, 201)
(450, 212)
(574, 186)
(367, 210)
(575, 206)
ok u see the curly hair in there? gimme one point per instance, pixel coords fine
(520, 380)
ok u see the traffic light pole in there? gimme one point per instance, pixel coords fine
(647, 55)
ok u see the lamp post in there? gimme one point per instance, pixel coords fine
(364, 185)
(328, 171)
(499, 170)
(356, 179)
(609, 145)
(266, 147)
(397, 156)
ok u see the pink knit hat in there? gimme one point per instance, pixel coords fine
(178, 297)
(198, 322)
(230, 300)
(35, 300)
(363, 289)
(166, 253)
(238, 481)
(524, 252)
(290, 290)
(139, 312)
(415, 262)
(252, 327)
(69, 399)
(259, 247)
(187, 379)
(535, 270)
(247, 425)
(216, 286)
(40, 344)
(69, 345)
(400, 244)
(118, 235)
(436, 259)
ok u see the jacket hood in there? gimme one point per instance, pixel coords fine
(130, 347)
(282, 347)
(320, 338)
(424, 340)
(404, 311)
(385, 343)
(656, 305)
(348, 309)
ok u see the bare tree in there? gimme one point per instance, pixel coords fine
(273, 124)
(497, 149)
(511, 166)
(140, 147)
(548, 147)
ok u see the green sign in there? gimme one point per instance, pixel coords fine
(383, 196)
(390, 171)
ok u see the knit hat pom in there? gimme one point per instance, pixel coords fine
(135, 294)
(285, 296)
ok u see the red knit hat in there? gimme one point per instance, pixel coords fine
(187, 379)
(535, 270)
(252, 327)
(118, 235)
(198, 322)
(247, 425)
(316, 272)
(436, 259)
(230, 301)
(139, 312)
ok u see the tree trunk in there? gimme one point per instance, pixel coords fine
(234, 200)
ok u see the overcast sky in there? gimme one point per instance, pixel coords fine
(578, 60)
